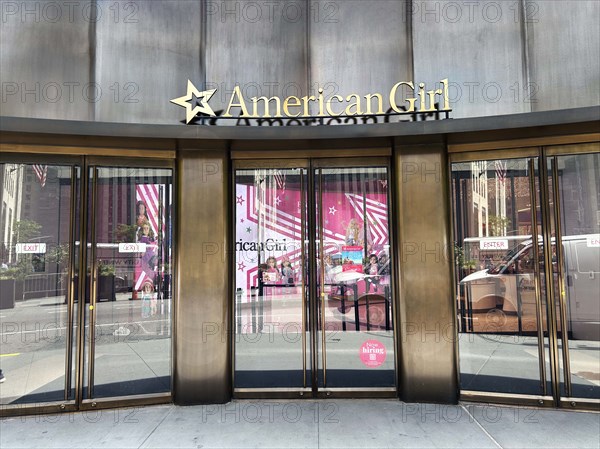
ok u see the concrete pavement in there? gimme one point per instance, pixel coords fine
(373, 423)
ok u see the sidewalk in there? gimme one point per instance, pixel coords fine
(307, 424)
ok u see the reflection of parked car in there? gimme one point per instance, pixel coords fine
(510, 285)
(123, 284)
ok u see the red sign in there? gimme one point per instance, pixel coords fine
(372, 353)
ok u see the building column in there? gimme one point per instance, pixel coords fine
(427, 331)
(202, 365)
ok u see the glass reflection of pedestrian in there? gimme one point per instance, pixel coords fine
(328, 267)
(372, 271)
(384, 272)
(384, 265)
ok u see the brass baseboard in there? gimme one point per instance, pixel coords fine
(306, 393)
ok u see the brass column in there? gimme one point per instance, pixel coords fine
(427, 333)
(202, 365)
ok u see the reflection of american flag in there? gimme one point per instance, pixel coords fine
(150, 194)
(280, 179)
(41, 172)
(500, 170)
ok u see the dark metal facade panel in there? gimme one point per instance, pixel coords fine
(260, 46)
(358, 47)
(45, 69)
(563, 46)
(477, 46)
(123, 61)
(203, 356)
(145, 58)
(428, 359)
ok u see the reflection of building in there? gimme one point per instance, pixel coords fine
(11, 198)
(24, 199)
(479, 197)
(498, 226)
(582, 198)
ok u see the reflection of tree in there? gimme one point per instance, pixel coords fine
(26, 230)
(125, 233)
(462, 262)
(105, 268)
(497, 225)
(58, 254)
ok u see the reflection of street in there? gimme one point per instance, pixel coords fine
(269, 338)
(274, 350)
(34, 343)
(509, 363)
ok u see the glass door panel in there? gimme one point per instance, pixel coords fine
(576, 179)
(271, 314)
(313, 301)
(356, 338)
(37, 227)
(129, 310)
(500, 292)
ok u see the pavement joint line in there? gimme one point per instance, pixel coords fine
(171, 408)
(142, 359)
(481, 427)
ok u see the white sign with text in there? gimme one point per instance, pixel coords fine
(31, 248)
(593, 241)
(493, 244)
(132, 247)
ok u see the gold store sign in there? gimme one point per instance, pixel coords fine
(422, 101)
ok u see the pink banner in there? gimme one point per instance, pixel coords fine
(268, 225)
(147, 208)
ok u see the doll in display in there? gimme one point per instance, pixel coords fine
(149, 302)
(353, 233)
(142, 214)
(287, 271)
(271, 274)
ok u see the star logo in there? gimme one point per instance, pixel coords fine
(239, 199)
(332, 210)
(192, 109)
